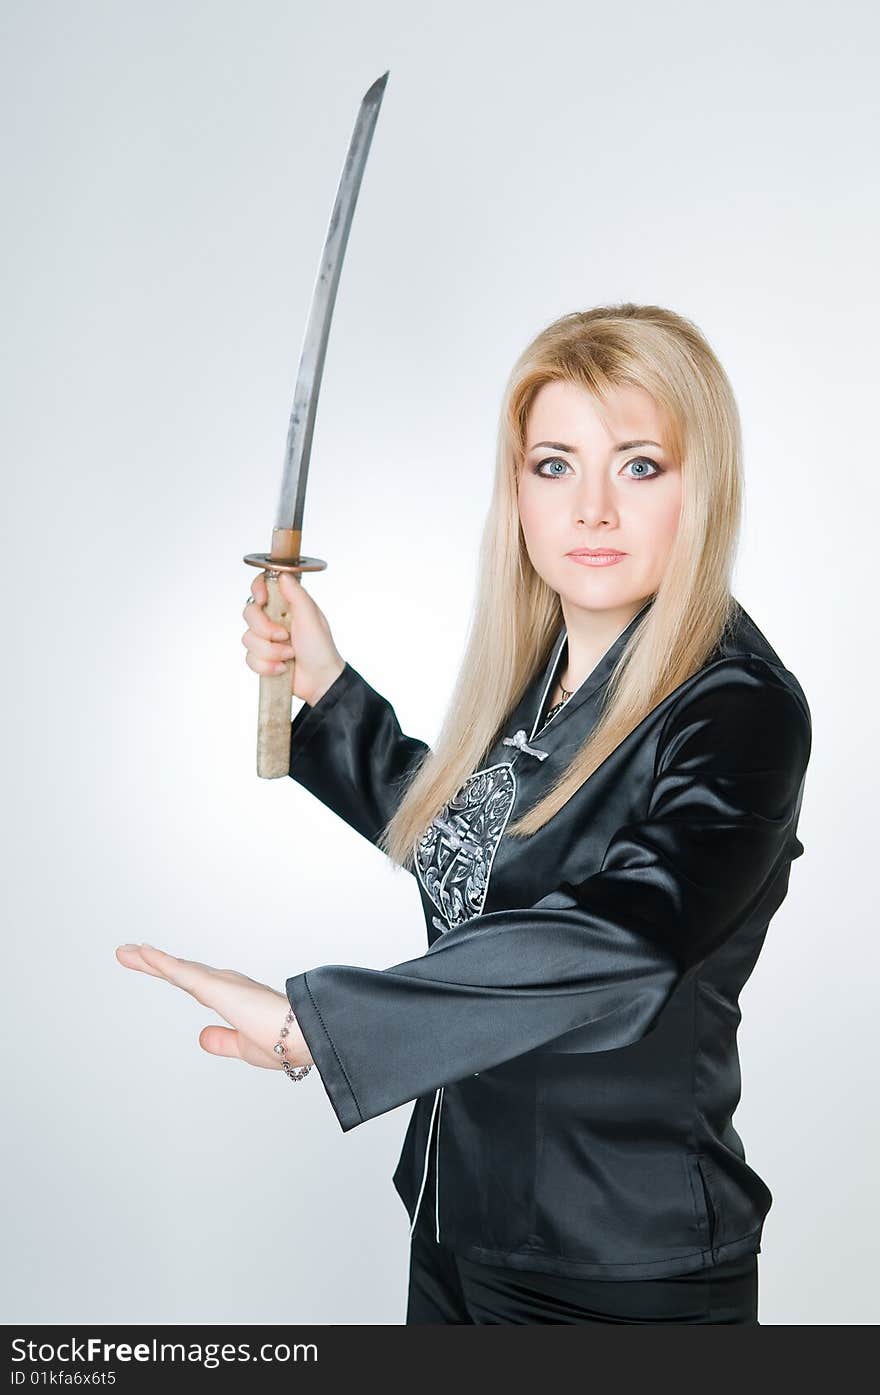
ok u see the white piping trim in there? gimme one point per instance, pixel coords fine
(427, 1159)
(437, 1169)
(559, 644)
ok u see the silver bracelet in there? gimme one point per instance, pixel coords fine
(293, 1072)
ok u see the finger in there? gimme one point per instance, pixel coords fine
(266, 665)
(220, 1041)
(290, 585)
(273, 650)
(226, 1041)
(131, 958)
(259, 591)
(194, 978)
(260, 625)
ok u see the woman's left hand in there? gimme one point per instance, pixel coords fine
(255, 1011)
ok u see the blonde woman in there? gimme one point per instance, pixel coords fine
(599, 836)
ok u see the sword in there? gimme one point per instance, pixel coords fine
(273, 731)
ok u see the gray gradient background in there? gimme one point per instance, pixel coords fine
(168, 175)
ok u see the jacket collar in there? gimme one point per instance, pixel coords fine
(529, 713)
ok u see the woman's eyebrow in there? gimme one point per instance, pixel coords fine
(572, 450)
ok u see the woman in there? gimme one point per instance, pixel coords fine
(599, 837)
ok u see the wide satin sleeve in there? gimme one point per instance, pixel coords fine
(349, 751)
(604, 955)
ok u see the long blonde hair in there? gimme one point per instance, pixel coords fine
(517, 616)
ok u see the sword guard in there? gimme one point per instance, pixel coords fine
(285, 564)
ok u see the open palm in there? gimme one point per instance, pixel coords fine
(255, 1012)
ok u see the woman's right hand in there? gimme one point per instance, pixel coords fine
(318, 662)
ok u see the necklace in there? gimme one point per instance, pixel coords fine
(556, 707)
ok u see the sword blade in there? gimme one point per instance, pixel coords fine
(311, 365)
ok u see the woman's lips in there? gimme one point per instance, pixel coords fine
(596, 559)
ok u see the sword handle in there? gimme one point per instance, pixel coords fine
(273, 726)
(276, 689)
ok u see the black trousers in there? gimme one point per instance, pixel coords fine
(444, 1287)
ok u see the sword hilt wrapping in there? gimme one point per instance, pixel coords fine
(273, 727)
(276, 689)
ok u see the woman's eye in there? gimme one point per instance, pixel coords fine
(641, 461)
(553, 474)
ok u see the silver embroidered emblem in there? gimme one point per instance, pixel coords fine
(453, 857)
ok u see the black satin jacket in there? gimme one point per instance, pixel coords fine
(569, 1037)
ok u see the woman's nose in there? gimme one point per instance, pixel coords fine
(594, 503)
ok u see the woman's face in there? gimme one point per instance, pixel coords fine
(585, 485)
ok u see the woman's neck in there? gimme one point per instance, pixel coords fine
(588, 635)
